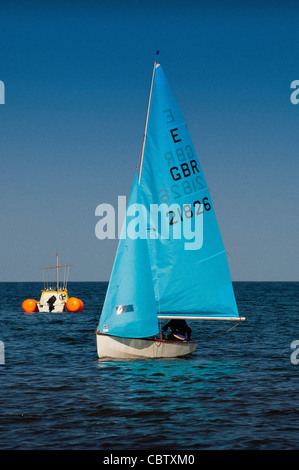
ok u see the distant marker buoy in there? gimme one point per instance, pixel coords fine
(29, 306)
(74, 305)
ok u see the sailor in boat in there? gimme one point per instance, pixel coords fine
(179, 330)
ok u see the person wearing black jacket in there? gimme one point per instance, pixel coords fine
(179, 330)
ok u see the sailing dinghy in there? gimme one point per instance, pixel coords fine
(156, 277)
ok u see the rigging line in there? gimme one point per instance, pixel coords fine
(67, 276)
(222, 332)
(146, 123)
(158, 292)
(64, 274)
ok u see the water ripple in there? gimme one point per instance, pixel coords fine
(238, 391)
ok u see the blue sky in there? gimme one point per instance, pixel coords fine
(77, 77)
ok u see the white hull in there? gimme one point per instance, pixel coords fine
(57, 308)
(59, 299)
(129, 348)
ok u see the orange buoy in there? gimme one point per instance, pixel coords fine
(29, 306)
(74, 305)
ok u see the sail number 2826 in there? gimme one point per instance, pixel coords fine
(188, 211)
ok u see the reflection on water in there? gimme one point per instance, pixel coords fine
(171, 396)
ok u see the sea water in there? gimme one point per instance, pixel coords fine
(239, 390)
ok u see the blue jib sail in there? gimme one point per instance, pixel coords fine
(130, 308)
(191, 275)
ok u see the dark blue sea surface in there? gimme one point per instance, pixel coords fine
(239, 390)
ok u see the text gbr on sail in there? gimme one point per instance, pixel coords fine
(185, 170)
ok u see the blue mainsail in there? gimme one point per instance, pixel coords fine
(188, 280)
(130, 308)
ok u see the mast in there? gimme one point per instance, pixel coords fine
(57, 272)
(146, 121)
